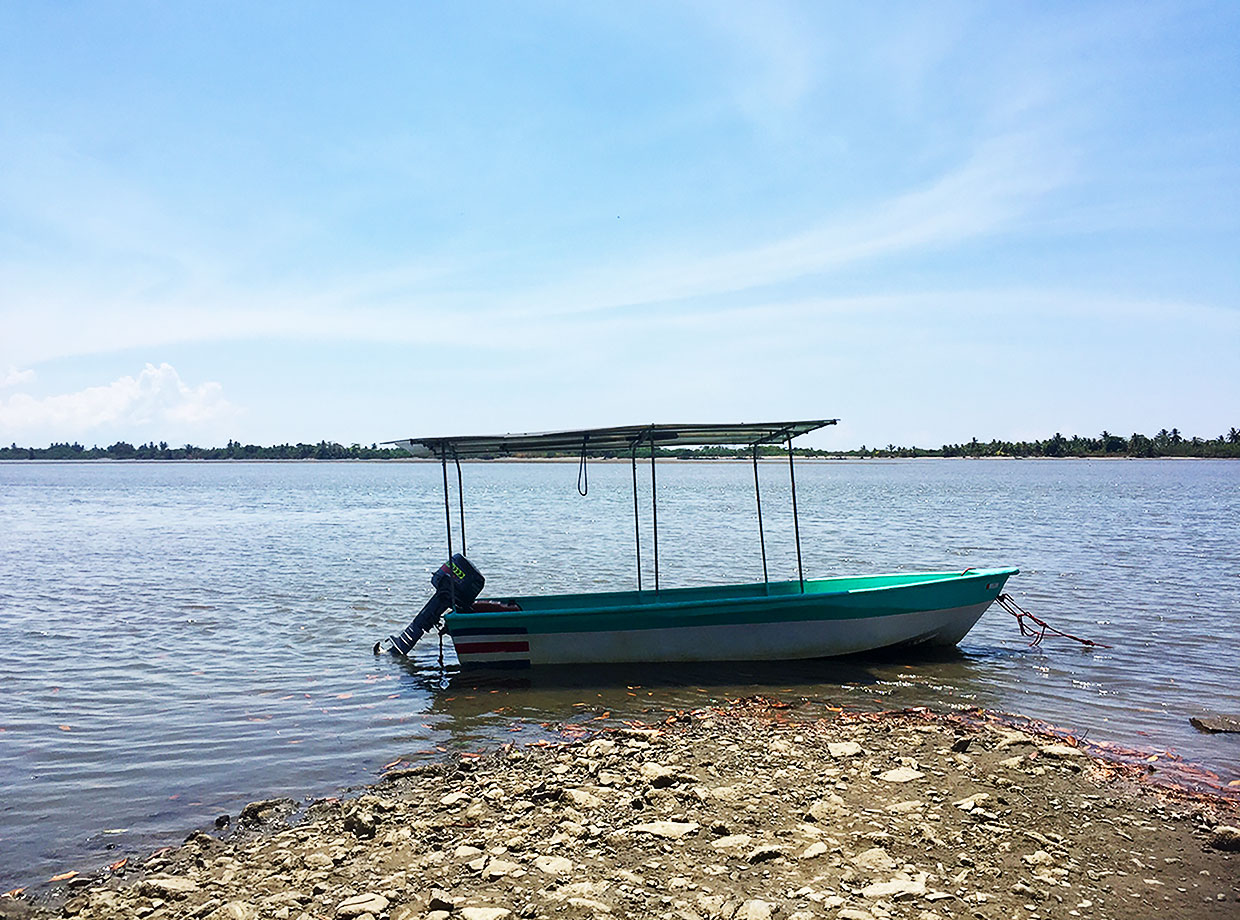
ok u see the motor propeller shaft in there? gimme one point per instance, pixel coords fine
(457, 585)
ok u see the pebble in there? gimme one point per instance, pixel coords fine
(257, 812)
(755, 909)
(360, 822)
(485, 913)
(590, 904)
(1060, 750)
(1225, 837)
(764, 853)
(583, 798)
(901, 775)
(671, 829)
(900, 888)
(360, 904)
(658, 775)
(970, 802)
(440, 900)
(498, 868)
(825, 810)
(165, 886)
(906, 806)
(733, 843)
(840, 749)
(554, 865)
(875, 859)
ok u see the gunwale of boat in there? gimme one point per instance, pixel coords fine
(853, 597)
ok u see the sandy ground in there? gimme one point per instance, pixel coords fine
(756, 810)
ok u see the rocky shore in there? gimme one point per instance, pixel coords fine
(753, 811)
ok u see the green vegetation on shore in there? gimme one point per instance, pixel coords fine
(122, 450)
(1164, 444)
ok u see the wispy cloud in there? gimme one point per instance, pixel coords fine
(14, 377)
(156, 396)
(997, 189)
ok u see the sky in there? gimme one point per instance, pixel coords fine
(305, 221)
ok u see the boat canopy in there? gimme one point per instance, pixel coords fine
(588, 441)
(623, 438)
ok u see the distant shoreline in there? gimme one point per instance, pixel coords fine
(1164, 445)
(801, 458)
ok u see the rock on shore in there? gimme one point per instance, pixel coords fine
(742, 813)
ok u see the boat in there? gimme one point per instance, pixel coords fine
(769, 620)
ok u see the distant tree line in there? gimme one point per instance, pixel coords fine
(1164, 444)
(235, 450)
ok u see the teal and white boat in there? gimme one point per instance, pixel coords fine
(763, 621)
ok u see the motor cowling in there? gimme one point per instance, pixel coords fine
(457, 585)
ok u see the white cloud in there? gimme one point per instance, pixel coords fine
(14, 377)
(157, 396)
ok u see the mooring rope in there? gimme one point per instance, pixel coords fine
(583, 474)
(1009, 604)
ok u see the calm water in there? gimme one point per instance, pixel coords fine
(178, 639)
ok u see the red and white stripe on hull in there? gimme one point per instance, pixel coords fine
(510, 647)
(507, 647)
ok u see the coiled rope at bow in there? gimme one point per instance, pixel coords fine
(1007, 603)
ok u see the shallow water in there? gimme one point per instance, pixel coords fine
(181, 638)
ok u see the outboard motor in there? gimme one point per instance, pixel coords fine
(457, 585)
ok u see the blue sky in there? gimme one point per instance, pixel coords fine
(304, 221)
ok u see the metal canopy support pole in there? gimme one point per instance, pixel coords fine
(757, 491)
(796, 524)
(460, 494)
(637, 532)
(654, 513)
(447, 508)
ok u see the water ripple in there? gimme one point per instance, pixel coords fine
(182, 638)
